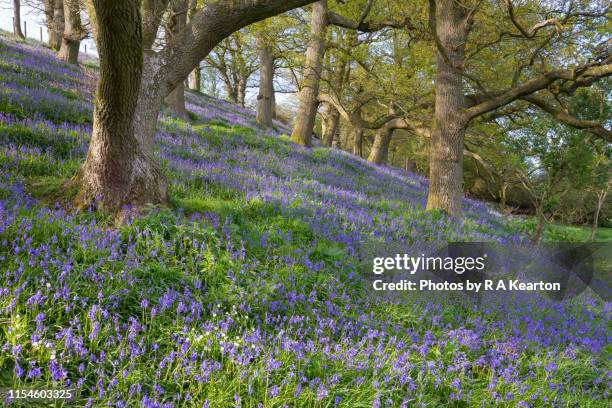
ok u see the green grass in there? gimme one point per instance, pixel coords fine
(568, 233)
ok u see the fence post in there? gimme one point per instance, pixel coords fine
(41, 40)
(25, 29)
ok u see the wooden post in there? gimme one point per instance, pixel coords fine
(85, 48)
(25, 29)
(41, 39)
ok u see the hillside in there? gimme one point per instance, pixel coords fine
(247, 290)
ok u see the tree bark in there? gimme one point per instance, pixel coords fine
(152, 12)
(307, 110)
(358, 142)
(195, 79)
(73, 32)
(274, 116)
(338, 76)
(601, 198)
(337, 139)
(446, 163)
(266, 84)
(241, 91)
(380, 148)
(54, 17)
(231, 91)
(177, 20)
(537, 236)
(331, 122)
(176, 101)
(117, 171)
(503, 195)
(17, 19)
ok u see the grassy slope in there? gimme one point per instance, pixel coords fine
(248, 287)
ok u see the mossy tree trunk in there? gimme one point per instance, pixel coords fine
(176, 21)
(379, 152)
(73, 32)
(307, 110)
(330, 125)
(117, 171)
(54, 20)
(194, 82)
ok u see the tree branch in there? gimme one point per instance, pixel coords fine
(585, 74)
(587, 125)
(209, 26)
(367, 26)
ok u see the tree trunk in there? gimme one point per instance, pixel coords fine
(48, 11)
(176, 101)
(266, 84)
(232, 93)
(73, 32)
(331, 122)
(446, 163)
(358, 142)
(339, 75)
(117, 171)
(195, 79)
(503, 195)
(337, 139)
(241, 88)
(307, 110)
(17, 19)
(537, 236)
(273, 102)
(177, 19)
(601, 197)
(380, 148)
(410, 165)
(58, 24)
(54, 16)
